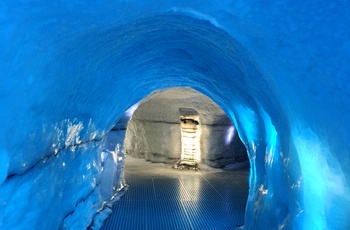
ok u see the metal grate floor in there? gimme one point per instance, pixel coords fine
(164, 198)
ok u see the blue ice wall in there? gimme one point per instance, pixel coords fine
(278, 68)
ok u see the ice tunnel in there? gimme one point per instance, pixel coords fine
(69, 71)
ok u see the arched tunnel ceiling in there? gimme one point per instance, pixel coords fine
(164, 106)
(106, 71)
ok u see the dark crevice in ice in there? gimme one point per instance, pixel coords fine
(44, 159)
(76, 205)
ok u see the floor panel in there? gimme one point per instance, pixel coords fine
(165, 198)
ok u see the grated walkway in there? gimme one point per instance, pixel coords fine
(160, 197)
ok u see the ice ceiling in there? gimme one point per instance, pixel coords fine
(280, 71)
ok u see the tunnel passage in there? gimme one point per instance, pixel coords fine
(117, 72)
(162, 197)
(98, 72)
(159, 195)
(157, 128)
(102, 72)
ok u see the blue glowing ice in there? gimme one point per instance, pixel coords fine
(69, 71)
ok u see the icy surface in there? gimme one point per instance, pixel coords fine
(46, 190)
(279, 70)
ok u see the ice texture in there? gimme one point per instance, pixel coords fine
(279, 69)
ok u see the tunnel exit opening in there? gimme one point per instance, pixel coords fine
(182, 125)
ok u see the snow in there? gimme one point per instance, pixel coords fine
(279, 71)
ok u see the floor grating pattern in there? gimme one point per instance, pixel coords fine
(208, 200)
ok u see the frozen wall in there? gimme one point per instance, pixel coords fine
(279, 69)
(154, 131)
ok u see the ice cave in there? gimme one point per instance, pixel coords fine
(86, 84)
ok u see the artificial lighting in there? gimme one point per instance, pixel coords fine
(190, 134)
(229, 135)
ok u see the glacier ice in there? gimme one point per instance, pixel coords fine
(280, 71)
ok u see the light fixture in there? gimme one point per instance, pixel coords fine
(190, 136)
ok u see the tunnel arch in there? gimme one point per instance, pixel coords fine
(185, 52)
(58, 56)
(112, 69)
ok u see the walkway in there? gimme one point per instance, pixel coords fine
(160, 197)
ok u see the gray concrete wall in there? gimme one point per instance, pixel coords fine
(154, 131)
(154, 141)
(161, 142)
